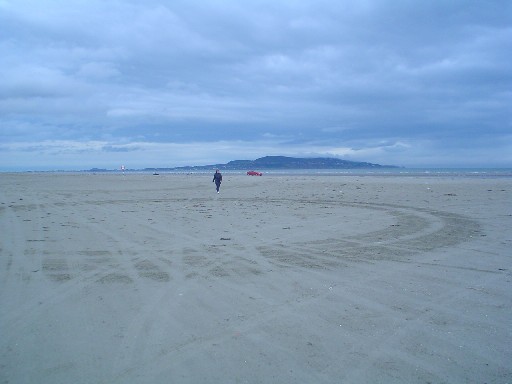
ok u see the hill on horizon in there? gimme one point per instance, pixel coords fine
(284, 162)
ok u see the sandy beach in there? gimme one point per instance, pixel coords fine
(136, 278)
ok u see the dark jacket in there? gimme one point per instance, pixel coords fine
(217, 177)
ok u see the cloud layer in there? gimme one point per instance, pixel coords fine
(165, 83)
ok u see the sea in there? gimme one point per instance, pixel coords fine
(427, 172)
(416, 172)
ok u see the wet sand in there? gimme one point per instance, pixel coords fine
(278, 279)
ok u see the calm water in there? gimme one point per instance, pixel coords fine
(430, 172)
(447, 172)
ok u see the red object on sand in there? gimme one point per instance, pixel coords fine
(254, 173)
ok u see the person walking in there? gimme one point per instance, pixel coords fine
(217, 179)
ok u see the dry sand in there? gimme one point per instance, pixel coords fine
(279, 279)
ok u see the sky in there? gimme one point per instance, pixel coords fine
(104, 83)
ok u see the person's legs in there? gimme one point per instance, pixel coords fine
(218, 186)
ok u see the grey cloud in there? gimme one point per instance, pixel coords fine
(398, 71)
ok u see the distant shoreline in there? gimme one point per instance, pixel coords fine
(422, 172)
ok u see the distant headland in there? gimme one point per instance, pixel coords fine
(281, 162)
(267, 163)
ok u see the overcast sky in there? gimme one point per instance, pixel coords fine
(100, 83)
